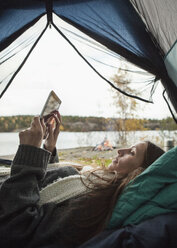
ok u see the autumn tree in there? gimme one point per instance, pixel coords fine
(126, 107)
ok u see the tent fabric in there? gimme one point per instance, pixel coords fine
(154, 13)
(118, 33)
(14, 56)
(106, 63)
(16, 17)
(170, 63)
(160, 19)
(123, 33)
(113, 23)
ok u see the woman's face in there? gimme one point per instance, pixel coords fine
(129, 159)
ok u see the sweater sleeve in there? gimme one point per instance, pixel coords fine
(19, 195)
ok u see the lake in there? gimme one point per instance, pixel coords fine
(9, 141)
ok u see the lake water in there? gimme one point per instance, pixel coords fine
(9, 141)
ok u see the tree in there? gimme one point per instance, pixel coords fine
(126, 107)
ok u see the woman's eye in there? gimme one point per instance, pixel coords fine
(132, 153)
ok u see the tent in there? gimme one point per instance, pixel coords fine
(132, 29)
(143, 32)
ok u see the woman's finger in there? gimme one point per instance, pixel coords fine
(46, 117)
(50, 129)
(59, 116)
(36, 122)
(43, 124)
(43, 127)
(33, 123)
(57, 125)
(50, 120)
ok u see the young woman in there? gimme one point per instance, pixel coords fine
(30, 218)
(141, 154)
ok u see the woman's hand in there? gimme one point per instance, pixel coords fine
(34, 135)
(53, 130)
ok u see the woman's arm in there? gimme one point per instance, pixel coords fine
(21, 189)
(20, 214)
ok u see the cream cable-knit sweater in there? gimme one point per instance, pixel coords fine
(63, 189)
(68, 187)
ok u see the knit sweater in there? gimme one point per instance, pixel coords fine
(62, 190)
(23, 221)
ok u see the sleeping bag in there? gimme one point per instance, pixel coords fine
(152, 193)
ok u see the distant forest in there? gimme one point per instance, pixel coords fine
(85, 124)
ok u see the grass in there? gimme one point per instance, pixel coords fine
(95, 161)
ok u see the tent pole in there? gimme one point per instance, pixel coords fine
(49, 9)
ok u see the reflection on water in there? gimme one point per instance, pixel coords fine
(9, 141)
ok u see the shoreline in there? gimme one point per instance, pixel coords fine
(75, 154)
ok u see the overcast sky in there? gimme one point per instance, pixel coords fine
(59, 68)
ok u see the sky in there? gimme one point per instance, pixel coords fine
(82, 92)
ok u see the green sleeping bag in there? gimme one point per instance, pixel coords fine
(152, 193)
